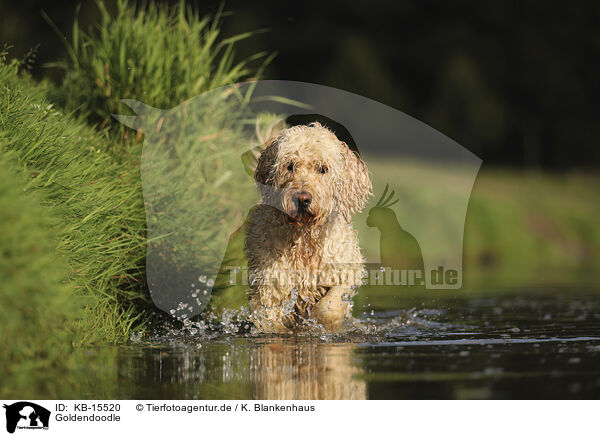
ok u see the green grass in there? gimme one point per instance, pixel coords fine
(35, 295)
(521, 226)
(73, 221)
(42, 314)
(536, 227)
(163, 57)
(153, 53)
(98, 202)
(89, 176)
(160, 55)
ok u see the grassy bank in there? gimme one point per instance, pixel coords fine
(35, 295)
(72, 228)
(73, 216)
(96, 201)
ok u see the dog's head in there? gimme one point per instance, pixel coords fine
(308, 173)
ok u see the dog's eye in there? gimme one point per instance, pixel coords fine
(323, 169)
(291, 166)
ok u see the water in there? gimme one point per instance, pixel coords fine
(520, 343)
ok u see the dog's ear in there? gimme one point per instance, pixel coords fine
(266, 160)
(264, 175)
(353, 184)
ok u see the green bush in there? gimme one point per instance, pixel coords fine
(157, 54)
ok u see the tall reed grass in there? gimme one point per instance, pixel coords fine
(158, 54)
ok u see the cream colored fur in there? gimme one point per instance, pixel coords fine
(305, 263)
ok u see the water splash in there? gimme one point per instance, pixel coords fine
(233, 324)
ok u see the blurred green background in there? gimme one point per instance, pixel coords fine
(513, 81)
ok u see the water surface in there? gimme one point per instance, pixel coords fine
(517, 343)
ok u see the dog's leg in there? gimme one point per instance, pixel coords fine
(272, 321)
(268, 314)
(333, 308)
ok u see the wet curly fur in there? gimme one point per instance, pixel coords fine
(303, 253)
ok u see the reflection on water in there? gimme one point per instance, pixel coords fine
(242, 369)
(515, 345)
(286, 371)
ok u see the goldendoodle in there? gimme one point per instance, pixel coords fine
(303, 254)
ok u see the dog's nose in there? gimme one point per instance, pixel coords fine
(304, 199)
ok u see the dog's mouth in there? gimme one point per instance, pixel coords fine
(300, 217)
(299, 209)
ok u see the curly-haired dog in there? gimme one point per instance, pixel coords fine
(302, 250)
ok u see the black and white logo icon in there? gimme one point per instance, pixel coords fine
(26, 415)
